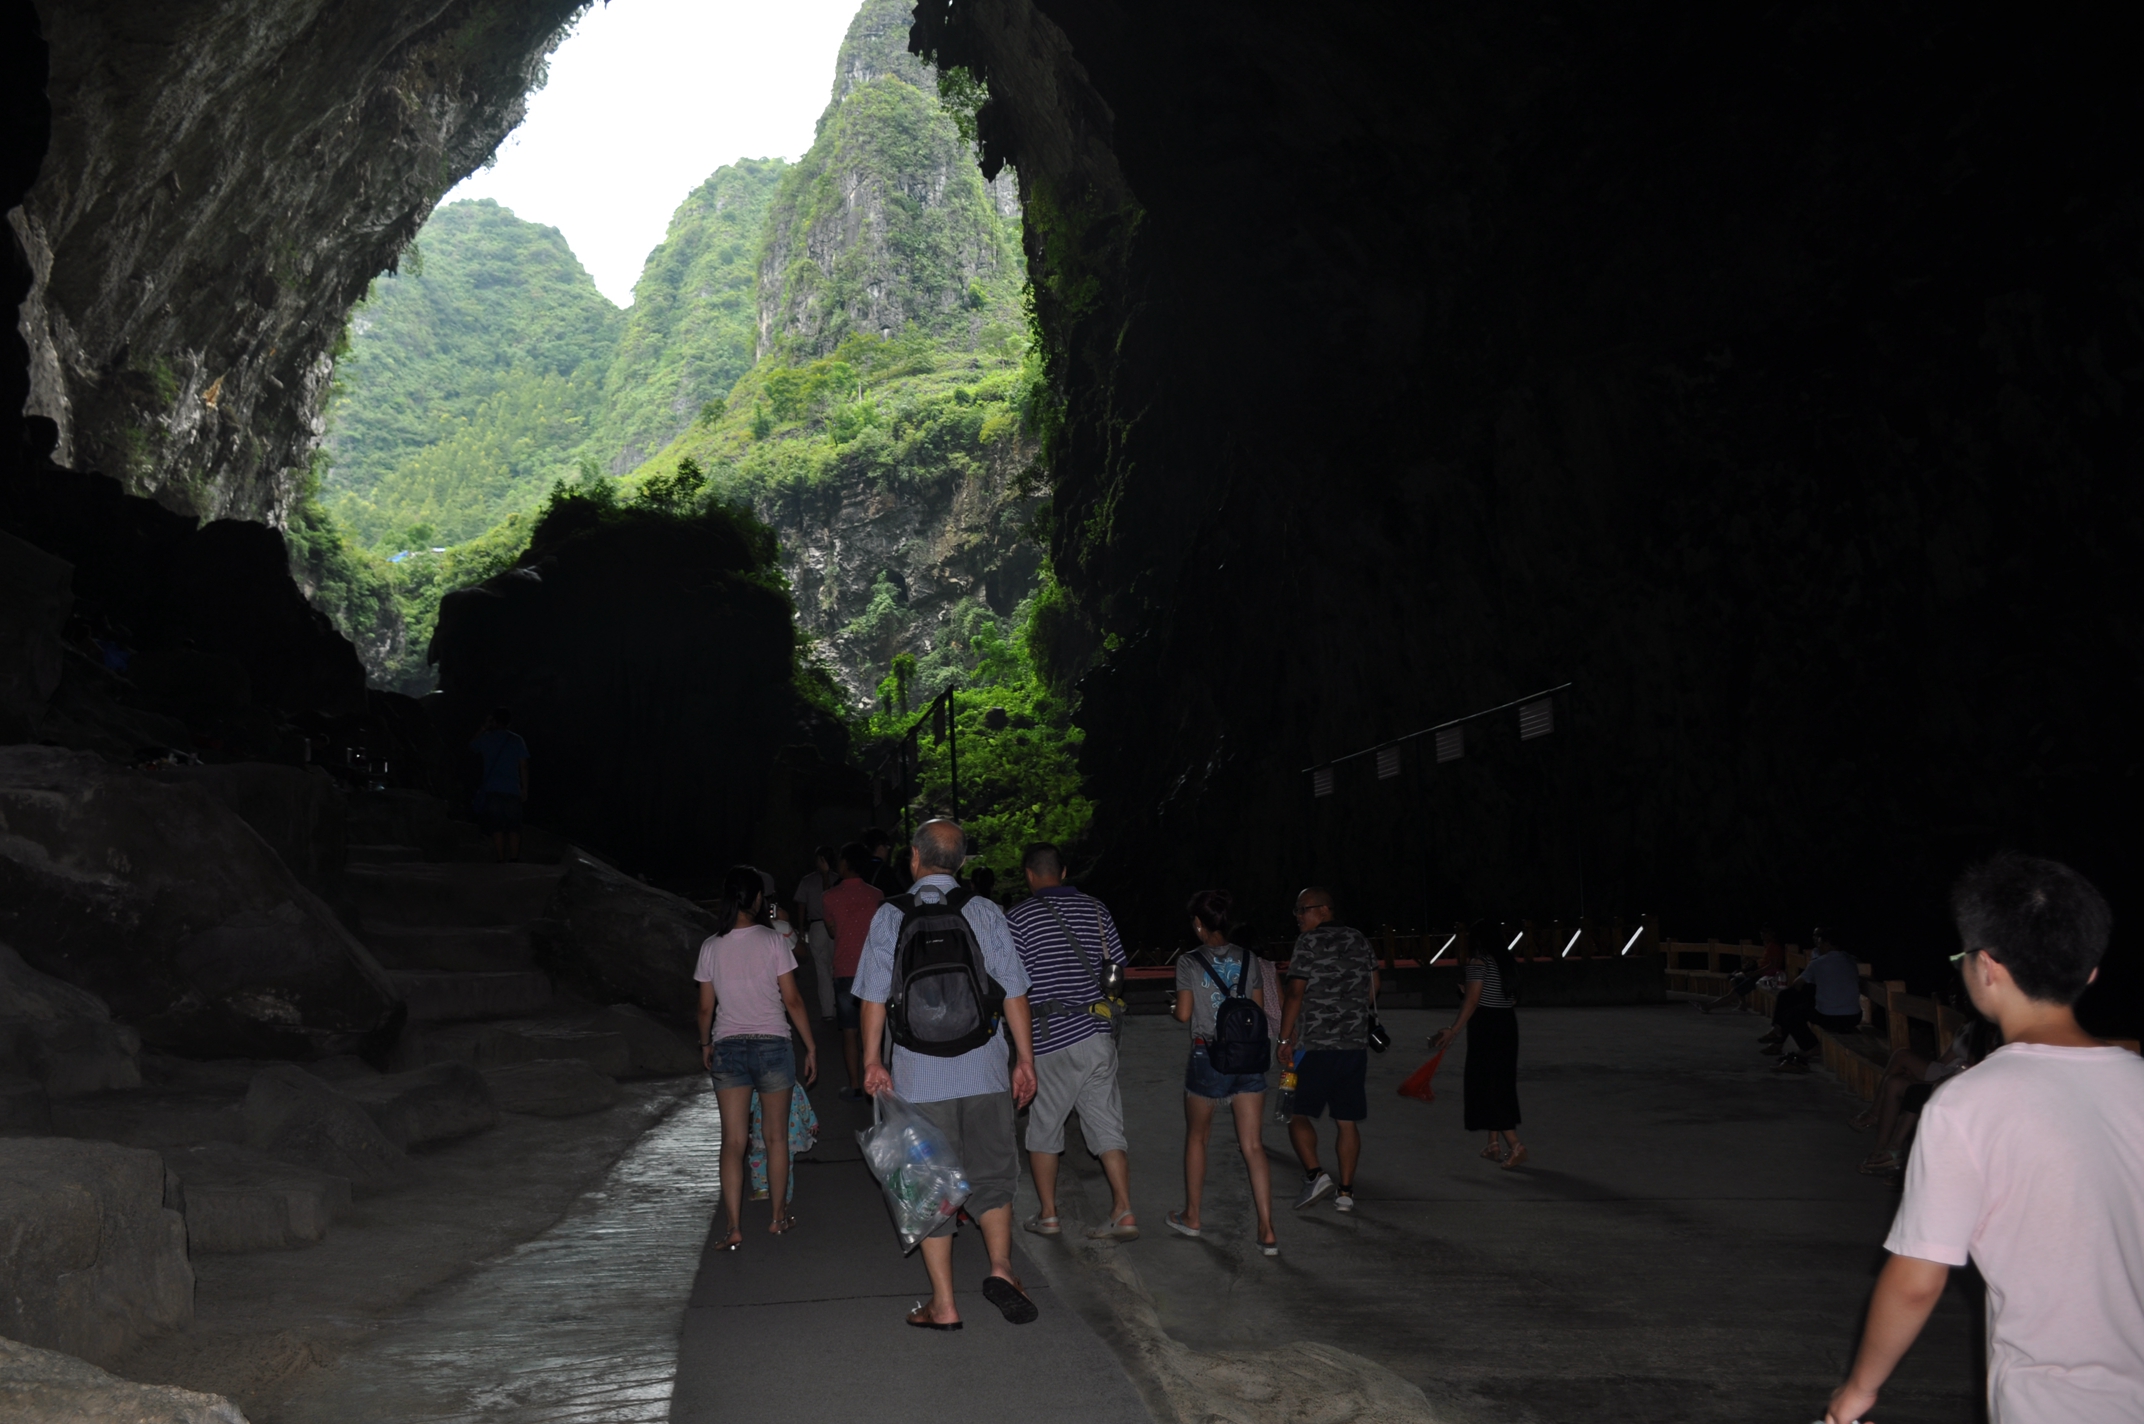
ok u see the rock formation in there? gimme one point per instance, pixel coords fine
(1773, 376)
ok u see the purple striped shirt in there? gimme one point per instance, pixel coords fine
(1054, 971)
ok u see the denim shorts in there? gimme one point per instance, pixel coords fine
(1201, 1080)
(754, 1060)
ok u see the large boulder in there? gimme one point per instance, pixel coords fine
(297, 810)
(34, 599)
(161, 900)
(61, 1036)
(657, 1049)
(432, 1104)
(91, 1262)
(612, 937)
(47, 1385)
(293, 1116)
(238, 1200)
(557, 1087)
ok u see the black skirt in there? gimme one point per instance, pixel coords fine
(1492, 1083)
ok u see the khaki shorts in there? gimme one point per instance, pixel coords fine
(1082, 1077)
(980, 1132)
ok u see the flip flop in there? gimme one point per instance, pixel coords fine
(1117, 1230)
(1176, 1224)
(1011, 1301)
(923, 1308)
(1044, 1226)
(1270, 1248)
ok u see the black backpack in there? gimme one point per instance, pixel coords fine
(1239, 1043)
(944, 1002)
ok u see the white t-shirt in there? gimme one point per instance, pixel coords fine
(2033, 1164)
(1837, 977)
(746, 967)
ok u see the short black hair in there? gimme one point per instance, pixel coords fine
(504, 716)
(2039, 919)
(825, 853)
(855, 858)
(1044, 859)
(984, 879)
(873, 837)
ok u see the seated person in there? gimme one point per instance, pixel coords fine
(1772, 961)
(1827, 993)
(1908, 1082)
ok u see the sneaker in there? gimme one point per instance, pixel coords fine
(1791, 1063)
(1345, 1201)
(1775, 1036)
(1314, 1190)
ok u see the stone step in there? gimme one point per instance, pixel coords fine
(433, 1104)
(382, 854)
(465, 949)
(451, 894)
(444, 997)
(237, 1200)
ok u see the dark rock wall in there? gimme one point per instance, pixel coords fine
(1773, 373)
(647, 658)
(223, 180)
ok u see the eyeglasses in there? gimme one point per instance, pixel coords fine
(1962, 955)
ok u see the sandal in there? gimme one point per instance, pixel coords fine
(1011, 1301)
(1494, 1152)
(736, 1240)
(1862, 1122)
(1515, 1159)
(783, 1223)
(1044, 1226)
(1270, 1248)
(920, 1317)
(1879, 1163)
(1118, 1230)
(1176, 1224)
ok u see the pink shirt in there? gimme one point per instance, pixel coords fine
(746, 967)
(2033, 1164)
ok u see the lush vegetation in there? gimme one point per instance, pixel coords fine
(1018, 747)
(852, 323)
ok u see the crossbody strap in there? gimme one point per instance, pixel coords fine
(1077, 947)
(1226, 992)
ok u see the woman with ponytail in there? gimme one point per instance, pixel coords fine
(1492, 1076)
(748, 1000)
(1206, 978)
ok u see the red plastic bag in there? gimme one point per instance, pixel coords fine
(1417, 1084)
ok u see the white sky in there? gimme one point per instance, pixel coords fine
(648, 97)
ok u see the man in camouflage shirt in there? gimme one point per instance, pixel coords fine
(1325, 1025)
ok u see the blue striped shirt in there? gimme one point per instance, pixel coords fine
(1054, 970)
(919, 1077)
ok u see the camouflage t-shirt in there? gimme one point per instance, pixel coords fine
(1335, 963)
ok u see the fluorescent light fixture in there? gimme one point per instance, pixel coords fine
(1443, 947)
(1514, 941)
(1567, 948)
(1632, 940)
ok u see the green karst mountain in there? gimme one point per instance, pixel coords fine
(838, 343)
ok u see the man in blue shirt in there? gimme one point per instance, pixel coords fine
(504, 783)
(971, 1098)
(1826, 992)
(1067, 939)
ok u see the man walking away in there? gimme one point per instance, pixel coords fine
(1828, 993)
(504, 786)
(849, 907)
(970, 1097)
(2030, 1165)
(1065, 939)
(880, 871)
(811, 913)
(1330, 988)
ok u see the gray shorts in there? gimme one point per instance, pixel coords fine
(1083, 1076)
(980, 1131)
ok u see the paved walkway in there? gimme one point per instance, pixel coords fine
(809, 1325)
(1690, 1241)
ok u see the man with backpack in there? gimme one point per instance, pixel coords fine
(940, 977)
(1067, 941)
(1330, 990)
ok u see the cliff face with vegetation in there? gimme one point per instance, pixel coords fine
(215, 196)
(838, 342)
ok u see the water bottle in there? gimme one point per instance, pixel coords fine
(1286, 1106)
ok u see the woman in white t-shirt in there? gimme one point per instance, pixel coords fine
(748, 1000)
(1206, 978)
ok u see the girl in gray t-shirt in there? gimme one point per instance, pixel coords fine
(1198, 1001)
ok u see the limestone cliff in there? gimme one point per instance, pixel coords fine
(222, 183)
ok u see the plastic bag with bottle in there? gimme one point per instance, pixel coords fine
(923, 1184)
